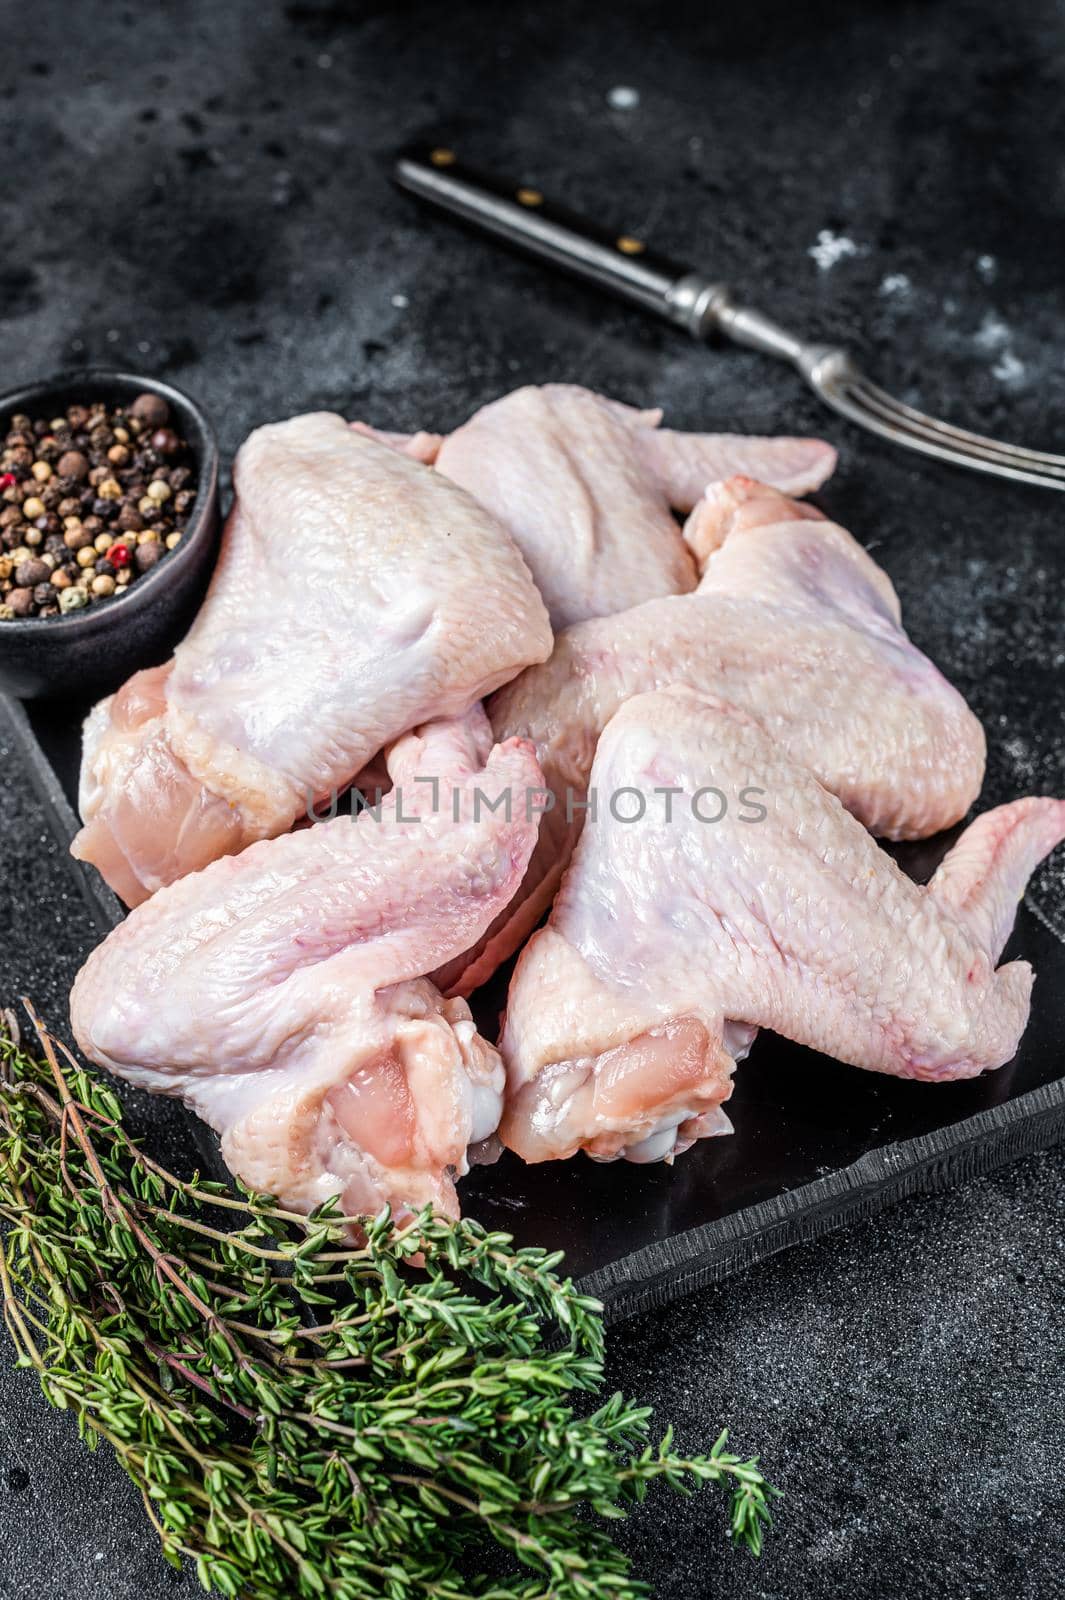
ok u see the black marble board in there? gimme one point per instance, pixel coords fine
(816, 1143)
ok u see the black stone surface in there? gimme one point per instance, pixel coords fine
(198, 190)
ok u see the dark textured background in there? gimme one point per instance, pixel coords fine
(197, 189)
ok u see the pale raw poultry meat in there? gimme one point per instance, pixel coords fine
(281, 993)
(794, 622)
(674, 938)
(586, 486)
(358, 594)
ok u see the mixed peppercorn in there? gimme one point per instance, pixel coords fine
(89, 502)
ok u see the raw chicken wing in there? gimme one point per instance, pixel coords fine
(585, 486)
(794, 622)
(675, 936)
(358, 594)
(282, 992)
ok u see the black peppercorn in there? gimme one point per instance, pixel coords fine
(29, 573)
(73, 485)
(146, 555)
(150, 409)
(72, 464)
(165, 442)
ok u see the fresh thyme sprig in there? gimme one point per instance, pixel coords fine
(307, 1417)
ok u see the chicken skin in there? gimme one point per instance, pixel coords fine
(281, 993)
(358, 594)
(585, 486)
(793, 622)
(752, 899)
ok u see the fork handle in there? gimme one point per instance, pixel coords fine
(521, 216)
(619, 262)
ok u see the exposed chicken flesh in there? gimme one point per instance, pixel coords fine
(585, 485)
(281, 992)
(671, 941)
(358, 594)
(794, 622)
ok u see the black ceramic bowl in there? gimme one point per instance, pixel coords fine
(89, 653)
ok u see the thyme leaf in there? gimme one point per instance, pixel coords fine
(304, 1416)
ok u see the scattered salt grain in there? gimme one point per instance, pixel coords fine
(400, 302)
(987, 267)
(1008, 369)
(830, 248)
(623, 98)
(895, 283)
(993, 333)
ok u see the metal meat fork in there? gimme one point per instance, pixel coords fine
(624, 265)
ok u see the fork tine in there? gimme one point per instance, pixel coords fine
(1040, 458)
(999, 465)
(851, 394)
(831, 373)
(972, 451)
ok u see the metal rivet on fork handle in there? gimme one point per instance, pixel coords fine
(626, 266)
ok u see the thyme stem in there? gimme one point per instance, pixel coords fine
(443, 1409)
